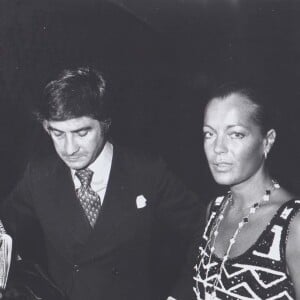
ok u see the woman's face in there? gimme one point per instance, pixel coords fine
(233, 142)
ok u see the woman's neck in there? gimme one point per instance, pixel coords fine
(252, 190)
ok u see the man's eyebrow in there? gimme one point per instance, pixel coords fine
(82, 129)
(75, 131)
(53, 129)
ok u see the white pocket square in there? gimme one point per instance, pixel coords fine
(141, 201)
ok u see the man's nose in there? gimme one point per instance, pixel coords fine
(220, 145)
(71, 146)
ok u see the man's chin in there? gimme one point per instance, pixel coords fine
(76, 165)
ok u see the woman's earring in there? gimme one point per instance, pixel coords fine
(265, 154)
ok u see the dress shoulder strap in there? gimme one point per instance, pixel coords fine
(279, 227)
(214, 209)
(217, 203)
(286, 212)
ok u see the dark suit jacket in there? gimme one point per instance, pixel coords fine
(112, 260)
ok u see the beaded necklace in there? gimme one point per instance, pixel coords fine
(214, 233)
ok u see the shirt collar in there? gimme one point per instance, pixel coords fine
(103, 161)
(102, 164)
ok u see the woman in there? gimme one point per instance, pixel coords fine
(251, 245)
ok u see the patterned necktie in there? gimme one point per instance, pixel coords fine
(88, 198)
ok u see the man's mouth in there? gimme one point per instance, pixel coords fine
(73, 158)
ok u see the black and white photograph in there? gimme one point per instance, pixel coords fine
(149, 150)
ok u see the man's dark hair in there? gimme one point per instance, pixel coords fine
(75, 93)
(266, 113)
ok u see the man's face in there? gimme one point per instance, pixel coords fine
(77, 141)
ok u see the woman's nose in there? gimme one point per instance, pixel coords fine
(220, 145)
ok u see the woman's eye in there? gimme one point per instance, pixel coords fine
(237, 135)
(82, 133)
(207, 134)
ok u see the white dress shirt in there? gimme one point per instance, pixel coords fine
(101, 168)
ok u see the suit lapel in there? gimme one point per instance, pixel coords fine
(65, 221)
(107, 232)
(62, 211)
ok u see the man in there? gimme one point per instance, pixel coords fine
(95, 202)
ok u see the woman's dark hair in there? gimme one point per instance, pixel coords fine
(265, 113)
(75, 93)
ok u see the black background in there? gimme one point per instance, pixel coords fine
(159, 60)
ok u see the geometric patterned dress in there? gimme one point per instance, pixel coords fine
(259, 273)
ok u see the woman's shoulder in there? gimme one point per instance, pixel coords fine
(282, 204)
(291, 209)
(291, 212)
(284, 197)
(288, 208)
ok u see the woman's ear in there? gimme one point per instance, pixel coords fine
(269, 141)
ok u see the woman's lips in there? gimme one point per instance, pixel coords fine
(222, 166)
